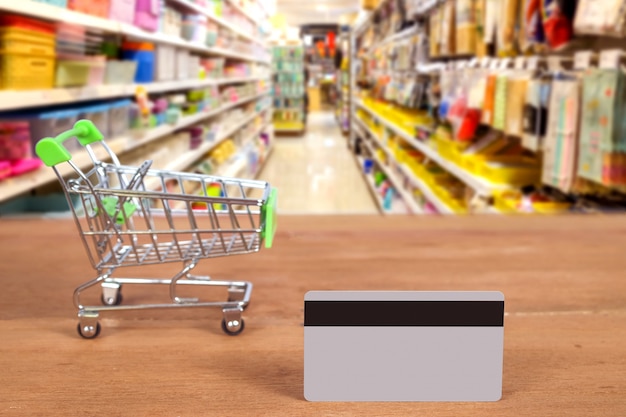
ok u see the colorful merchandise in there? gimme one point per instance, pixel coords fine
(560, 149)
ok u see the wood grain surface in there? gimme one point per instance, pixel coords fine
(565, 326)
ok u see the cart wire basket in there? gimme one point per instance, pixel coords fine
(133, 216)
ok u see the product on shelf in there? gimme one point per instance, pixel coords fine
(123, 11)
(144, 54)
(27, 53)
(98, 8)
(147, 14)
(289, 88)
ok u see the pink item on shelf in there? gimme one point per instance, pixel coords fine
(160, 105)
(15, 140)
(24, 165)
(5, 169)
(123, 10)
(147, 14)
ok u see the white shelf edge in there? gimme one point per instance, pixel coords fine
(416, 181)
(54, 13)
(13, 187)
(480, 185)
(21, 99)
(164, 86)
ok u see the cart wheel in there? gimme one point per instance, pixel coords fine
(88, 331)
(234, 327)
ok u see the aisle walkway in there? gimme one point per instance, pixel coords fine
(316, 173)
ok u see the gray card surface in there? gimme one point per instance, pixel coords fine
(403, 346)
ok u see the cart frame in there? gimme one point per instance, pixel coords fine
(120, 223)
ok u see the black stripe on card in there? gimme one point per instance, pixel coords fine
(404, 313)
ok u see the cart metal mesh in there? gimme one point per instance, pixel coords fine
(136, 226)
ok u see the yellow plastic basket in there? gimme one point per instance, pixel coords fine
(510, 173)
(26, 72)
(507, 202)
(19, 41)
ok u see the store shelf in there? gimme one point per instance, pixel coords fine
(57, 14)
(231, 169)
(188, 5)
(480, 185)
(441, 206)
(394, 38)
(374, 191)
(12, 187)
(396, 182)
(197, 83)
(245, 13)
(14, 99)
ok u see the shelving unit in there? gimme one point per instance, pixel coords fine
(480, 185)
(289, 86)
(374, 191)
(342, 110)
(188, 5)
(13, 187)
(413, 179)
(136, 139)
(56, 14)
(491, 137)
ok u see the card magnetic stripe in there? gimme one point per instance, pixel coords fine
(404, 313)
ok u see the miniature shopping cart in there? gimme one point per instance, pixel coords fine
(124, 222)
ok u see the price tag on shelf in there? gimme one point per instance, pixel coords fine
(520, 63)
(504, 64)
(484, 62)
(532, 63)
(554, 63)
(582, 60)
(494, 64)
(610, 58)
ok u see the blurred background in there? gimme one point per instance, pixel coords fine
(353, 107)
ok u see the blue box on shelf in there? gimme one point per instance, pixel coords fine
(145, 64)
(59, 3)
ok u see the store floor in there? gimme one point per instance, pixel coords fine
(316, 173)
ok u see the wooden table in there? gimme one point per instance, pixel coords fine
(565, 329)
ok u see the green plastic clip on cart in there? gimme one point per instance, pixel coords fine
(132, 216)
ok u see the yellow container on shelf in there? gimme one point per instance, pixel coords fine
(26, 72)
(506, 202)
(20, 41)
(511, 173)
(551, 207)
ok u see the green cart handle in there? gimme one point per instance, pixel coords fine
(269, 218)
(51, 150)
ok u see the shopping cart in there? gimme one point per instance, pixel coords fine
(124, 222)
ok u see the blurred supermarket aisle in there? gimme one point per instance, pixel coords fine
(316, 173)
